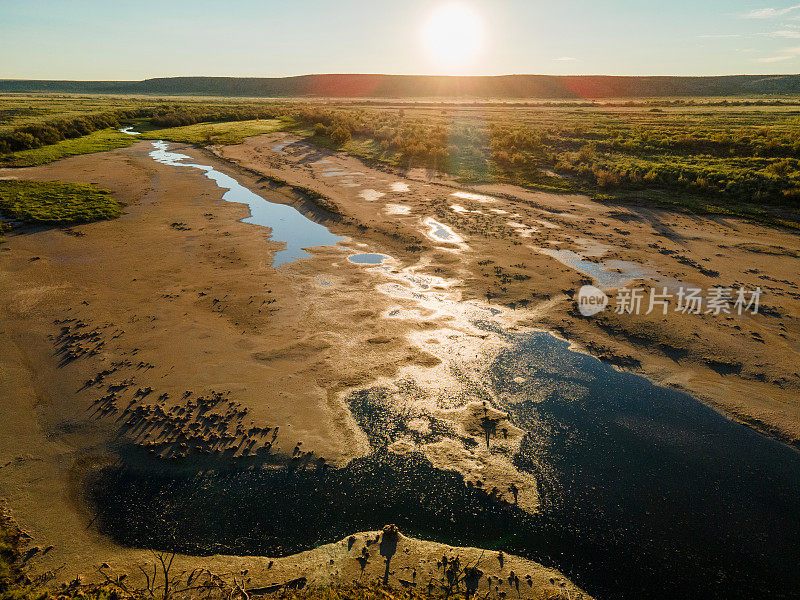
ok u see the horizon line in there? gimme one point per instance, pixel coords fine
(2, 78)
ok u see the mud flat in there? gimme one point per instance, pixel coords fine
(165, 368)
(165, 344)
(748, 368)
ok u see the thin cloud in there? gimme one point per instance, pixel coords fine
(770, 13)
(566, 59)
(786, 54)
(774, 59)
(792, 34)
(783, 33)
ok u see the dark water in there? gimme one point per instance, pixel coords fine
(647, 489)
(647, 493)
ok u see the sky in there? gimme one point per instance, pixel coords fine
(90, 39)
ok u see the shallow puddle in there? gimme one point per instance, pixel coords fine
(279, 147)
(397, 209)
(370, 195)
(288, 225)
(473, 196)
(591, 248)
(367, 258)
(607, 275)
(441, 232)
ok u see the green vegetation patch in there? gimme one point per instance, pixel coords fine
(730, 157)
(98, 141)
(216, 133)
(18, 111)
(55, 202)
(705, 160)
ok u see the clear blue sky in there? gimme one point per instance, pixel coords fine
(89, 39)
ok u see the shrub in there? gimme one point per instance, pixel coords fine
(340, 135)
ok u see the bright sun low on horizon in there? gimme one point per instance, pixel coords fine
(453, 36)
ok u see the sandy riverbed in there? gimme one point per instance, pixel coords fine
(175, 305)
(747, 367)
(111, 325)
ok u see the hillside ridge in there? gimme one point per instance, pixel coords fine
(416, 86)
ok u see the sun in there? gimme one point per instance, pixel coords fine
(452, 35)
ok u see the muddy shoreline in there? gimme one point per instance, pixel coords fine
(116, 311)
(677, 351)
(284, 348)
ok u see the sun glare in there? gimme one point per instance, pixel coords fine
(453, 35)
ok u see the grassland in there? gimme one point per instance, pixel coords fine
(729, 157)
(20, 110)
(226, 133)
(97, 141)
(707, 156)
(55, 202)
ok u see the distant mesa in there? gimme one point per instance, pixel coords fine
(552, 87)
